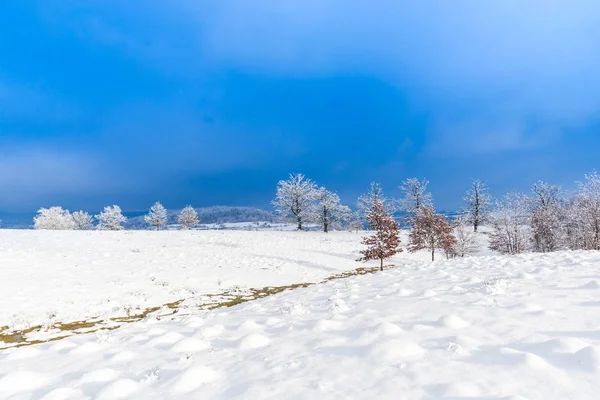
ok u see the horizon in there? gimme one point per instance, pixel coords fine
(207, 104)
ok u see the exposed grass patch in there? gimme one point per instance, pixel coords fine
(18, 338)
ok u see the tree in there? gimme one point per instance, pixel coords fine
(508, 223)
(355, 224)
(365, 202)
(157, 216)
(53, 218)
(329, 210)
(478, 204)
(430, 231)
(188, 217)
(295, 199)
(465, 238)
(415, 196)
(547, 217)
(584, 214)
(111, 219)
(385, 242)
(82, 220)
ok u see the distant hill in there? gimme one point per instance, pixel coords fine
(211, 215)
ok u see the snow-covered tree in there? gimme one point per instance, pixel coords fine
(82, 220)
(295, 199)
(365, 202)
(547, 217)
(53, 218)
(478, 204)
(329, 210)
(415, 196)
(430, 231)
(385, 241)
(157, 216)
(466, 241)
(355, 224)
(188, 217)
(584, 214)
(111, 219)
(509, 223)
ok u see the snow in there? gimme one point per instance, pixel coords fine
(488, 327)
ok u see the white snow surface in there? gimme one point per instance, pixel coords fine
(489, 327)
(66, 276)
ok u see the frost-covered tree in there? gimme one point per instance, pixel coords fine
(188, 217)
(82, 220)
(509, 223)
(295, 199)
(547, 217)
(111, 219)
(157, 217)
(365, 202)
(329, 210)
(466, 240)
(584, 214)
(385, 241)
(355, 224)
(478, 204)
(415, 196)
(430, 231)
(53, 218)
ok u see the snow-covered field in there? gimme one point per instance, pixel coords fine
(489, 327)
(65, 276)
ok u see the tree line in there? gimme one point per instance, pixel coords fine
(544, 220)
(111, 218)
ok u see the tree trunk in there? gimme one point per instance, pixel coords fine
(432, 254)
(299, 223)
(475, 225)
(325, 223)
(381, 264)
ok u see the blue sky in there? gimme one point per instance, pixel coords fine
(211, 102)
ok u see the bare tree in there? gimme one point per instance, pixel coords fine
(430, 231)
(478, 203)
(295, 199)
(329, 210)
(366, 201)
(385, 241)
(509, 224)
(465, 238)
(414, 196)
(584, 214)
(188, 217)
(547, 217)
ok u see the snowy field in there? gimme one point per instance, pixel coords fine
(65, 276)
(489, 327)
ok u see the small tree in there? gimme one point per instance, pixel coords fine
(365, 201)
(53, 218)
(478, 204)
(82, 220)
(415, 196)
(385, 242)
(430, 231)
(157, 216)
(295, 199)
(111, 219)
(329, 210)
(188, 217)
(465, 238)
(547, 217)
(508, 223)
